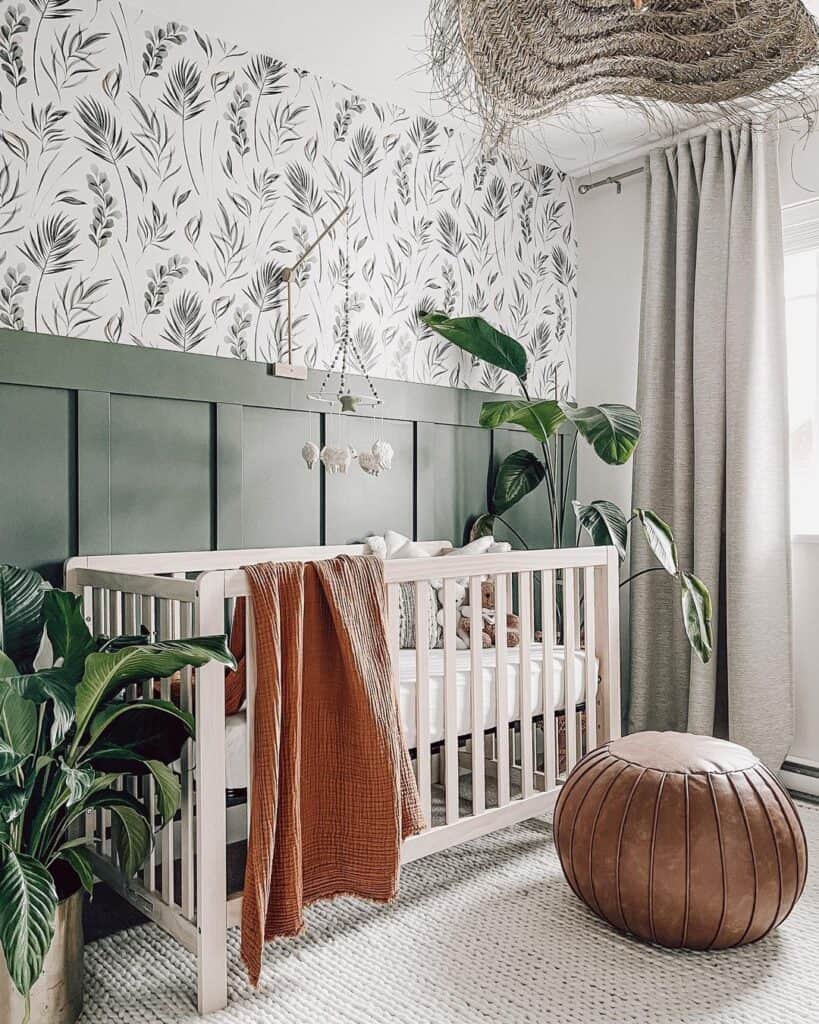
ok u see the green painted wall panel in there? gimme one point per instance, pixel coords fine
(280, 496)
(37, 470)
(161, 475)
(530, 517)
(453, 463)
(357, 504)
(114, 448)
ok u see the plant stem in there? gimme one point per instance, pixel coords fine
(565, 498)
(511, 529)
(642, 572)
(551, 489)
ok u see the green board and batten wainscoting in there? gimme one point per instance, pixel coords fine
(108, 448)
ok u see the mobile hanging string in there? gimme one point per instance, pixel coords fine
(337, 458)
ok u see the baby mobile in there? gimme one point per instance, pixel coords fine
(338, 455)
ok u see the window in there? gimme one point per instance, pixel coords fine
(802, 312)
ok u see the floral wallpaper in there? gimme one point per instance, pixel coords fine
(154, 181)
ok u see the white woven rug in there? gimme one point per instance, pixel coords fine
(486, 932)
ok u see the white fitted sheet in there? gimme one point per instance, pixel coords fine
(236, 725)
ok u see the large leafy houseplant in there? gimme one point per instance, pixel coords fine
(612, 430)
(67, 734)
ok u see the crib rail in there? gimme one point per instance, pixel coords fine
(495, 761)
(506, 765)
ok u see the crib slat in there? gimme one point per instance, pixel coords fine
(148, 785)
(502, 582)
(422, 745)
(547, 616)
(569, 674)
(115, 613)
(250, 701)
(101, 616)
(476, 697)
(450, 704)
(166, 619)
(524, 681)
(590, 694)
(186, 817)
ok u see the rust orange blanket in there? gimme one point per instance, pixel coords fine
(333, 789)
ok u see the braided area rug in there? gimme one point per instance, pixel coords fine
(489, 931)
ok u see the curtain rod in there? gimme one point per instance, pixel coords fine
(612, 179)
(785, 115)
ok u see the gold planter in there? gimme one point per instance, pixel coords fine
(57, 996)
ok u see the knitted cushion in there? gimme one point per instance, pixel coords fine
(407, 618)
(681, 840)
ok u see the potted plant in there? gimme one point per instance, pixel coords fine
(67, 735)
(612, 430)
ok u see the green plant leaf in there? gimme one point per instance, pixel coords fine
(135, 836)
(21, 623)
(612, 430)
(18, 717)
(605, 524)
(168, 790)
(78, 782)
(697, 615)
(13, 800)
(28, 903)
(139, 730)
(50, 684)
(483, 526)
(660, 539)
(67, 631)
(541, 419)
(517, 475)
(474, 335)
(79, 861)
(9, 758)
(106, 673)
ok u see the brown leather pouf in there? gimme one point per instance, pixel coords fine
(681, 840)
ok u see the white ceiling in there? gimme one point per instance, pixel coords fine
(377, 48)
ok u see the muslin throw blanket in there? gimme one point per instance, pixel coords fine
(333, 792)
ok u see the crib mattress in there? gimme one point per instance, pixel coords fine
(236, 726)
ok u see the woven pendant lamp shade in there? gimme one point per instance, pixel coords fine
(681, 840)
(515, 62)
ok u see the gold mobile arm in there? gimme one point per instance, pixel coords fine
(287, 369)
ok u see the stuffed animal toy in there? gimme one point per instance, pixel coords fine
(487, 620)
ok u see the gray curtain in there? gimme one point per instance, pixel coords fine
(713, 457)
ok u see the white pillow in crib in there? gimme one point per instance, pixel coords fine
(395, 545)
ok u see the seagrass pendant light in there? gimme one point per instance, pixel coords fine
(517, 62)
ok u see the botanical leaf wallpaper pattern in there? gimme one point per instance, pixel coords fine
(154, 181)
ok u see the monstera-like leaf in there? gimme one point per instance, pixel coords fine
(28, 902)
(541, 419)
(604, 523)
(21, 625)
(517, 475)
(474, 335)
(612, 430)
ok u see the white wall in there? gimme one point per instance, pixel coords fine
(610, 236)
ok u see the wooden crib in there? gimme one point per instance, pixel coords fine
(485, 771)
